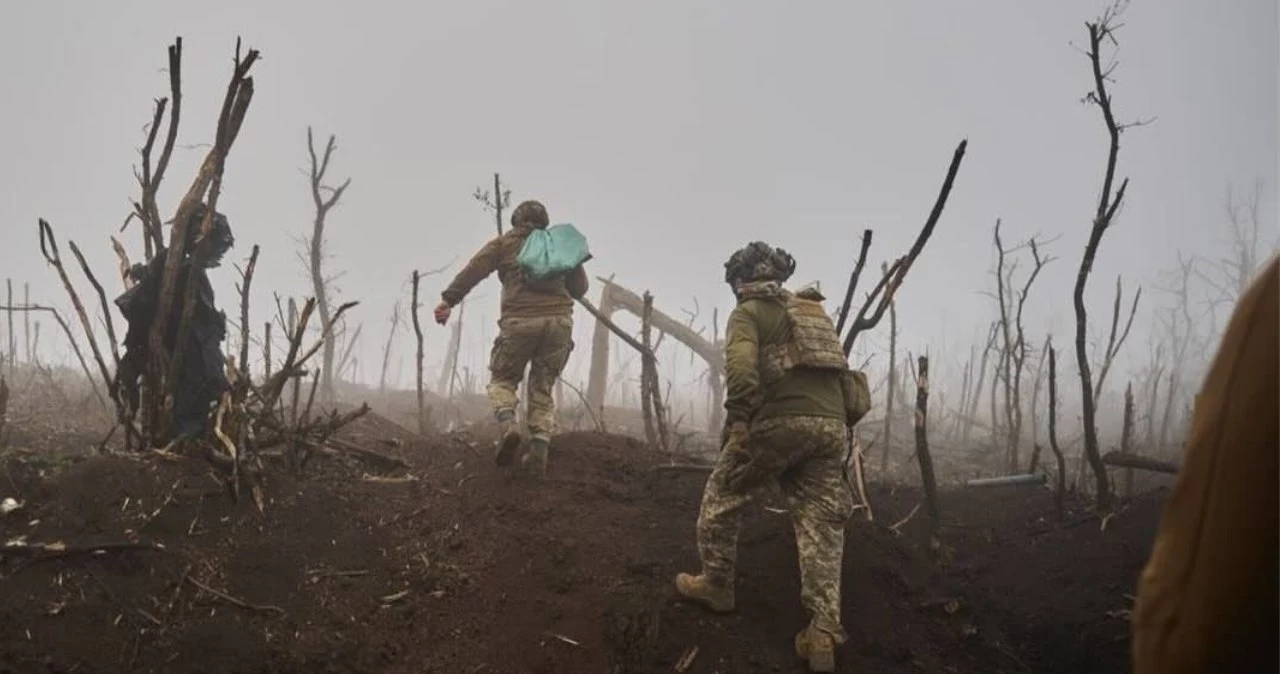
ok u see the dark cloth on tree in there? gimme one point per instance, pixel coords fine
(203, 376)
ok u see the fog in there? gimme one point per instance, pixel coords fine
(671, 135)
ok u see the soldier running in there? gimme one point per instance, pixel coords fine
(535, 330)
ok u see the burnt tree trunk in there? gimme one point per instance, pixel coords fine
(893, 382)
(1060, 486)
(1126, 438)
(417, 331)
(1108, 203)
(922, 444)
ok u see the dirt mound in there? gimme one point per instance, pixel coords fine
(465, 568)
(455, 566)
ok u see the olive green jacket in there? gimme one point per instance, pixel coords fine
(760, 320)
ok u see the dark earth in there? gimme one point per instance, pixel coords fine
(469, 569)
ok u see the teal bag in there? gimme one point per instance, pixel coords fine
(553, 251)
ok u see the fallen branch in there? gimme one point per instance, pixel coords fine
(368, 454)
(55, 550)
(582, 397)
(1129, 460)
(232, 600)
(613, 327)
(897, 526)
(1008, 481)
(684, 467)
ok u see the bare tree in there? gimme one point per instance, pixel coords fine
(449, 371)
(26, 323)
(1230, 274)
(386, 350)
(1109, 200)
(975, 397)
(325, 198)
(1179, 324)
(13, 341)
(1060, 486)
(417, 330)
(1013, 352)
(1035, 407)
(497, 201)
(893, 371)
(1126, 438)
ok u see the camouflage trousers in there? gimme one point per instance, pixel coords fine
(807, 456)
(541, 344)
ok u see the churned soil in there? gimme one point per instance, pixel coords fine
(468, 568)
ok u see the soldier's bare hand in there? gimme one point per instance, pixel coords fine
(442, 312)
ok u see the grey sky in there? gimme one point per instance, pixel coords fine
(670, 133)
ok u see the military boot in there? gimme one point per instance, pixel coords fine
(534, 462)
(818, 648)
(508, 440)
(718, 598)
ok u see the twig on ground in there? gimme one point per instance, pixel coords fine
(232, 600)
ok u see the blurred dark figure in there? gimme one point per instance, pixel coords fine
(1207, 599)
(203, 377)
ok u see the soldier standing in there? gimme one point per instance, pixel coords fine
(535, 330)
(788, 404)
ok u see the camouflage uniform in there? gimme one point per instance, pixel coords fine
(809, 456)
(535, 327)
(541, 344)
(787, 412)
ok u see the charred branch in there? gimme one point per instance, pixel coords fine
(49, 248)
(243, 289)
(880, 296)
(853, 281)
